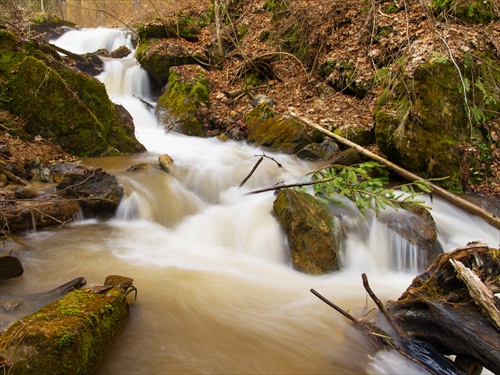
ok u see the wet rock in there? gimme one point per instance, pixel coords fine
(417, 226)
(120, 52)
(183, 106)
(98, 192)
(165, 162)
(10, 267)
(314, 236)
(346, 157)
(319, 151)
(266, 128)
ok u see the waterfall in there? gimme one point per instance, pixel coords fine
(217, 293)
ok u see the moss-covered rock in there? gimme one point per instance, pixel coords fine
(313, 234)
(68, 336)
(183, 105)
(421, 121)
(157, 56)
(60, 104)
(420, 129)
(265, 128)
(472, 11)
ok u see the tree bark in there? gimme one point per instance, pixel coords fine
(445, 194)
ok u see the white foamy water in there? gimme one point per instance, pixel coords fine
(217, 293)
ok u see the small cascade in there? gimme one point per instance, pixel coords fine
(90, 40)
(216, 291)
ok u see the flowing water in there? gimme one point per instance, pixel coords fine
(217, 293)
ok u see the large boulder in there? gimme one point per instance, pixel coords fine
(314, 236)
(184, 104)
(60, 104)
(266, 128)
(422, 120)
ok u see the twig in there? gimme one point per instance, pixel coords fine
(252, 171)
(382, 308)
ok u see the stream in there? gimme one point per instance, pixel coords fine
(216, 290)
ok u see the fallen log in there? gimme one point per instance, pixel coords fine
(19, 215)
(70, 335)
(15, 307)
(445, 194)
(439, 308)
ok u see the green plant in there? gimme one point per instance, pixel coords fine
(365, 184)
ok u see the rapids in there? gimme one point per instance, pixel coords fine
(216, 292)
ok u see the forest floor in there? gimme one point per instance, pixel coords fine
(365, 36)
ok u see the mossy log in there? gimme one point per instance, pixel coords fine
(439, 307)
(70, 335)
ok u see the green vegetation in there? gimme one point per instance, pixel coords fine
(58, 103)
(472, 11)
(365, 185)
(185, 94)
(67, 336)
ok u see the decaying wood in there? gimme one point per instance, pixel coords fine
(438, 307)
(445, 194)
(443, 313)
(68, 336)
(19, 215)
(379, 338)
(479, 292)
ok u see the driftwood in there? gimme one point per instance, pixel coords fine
(448, 310)
(440, 308)
(445, 194)
(70, 335)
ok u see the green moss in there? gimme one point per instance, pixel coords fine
(475, 11)
(61, 104)
(8, 41)
(420, 123)
(280, 133)
(185, 94)
(54, 342)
